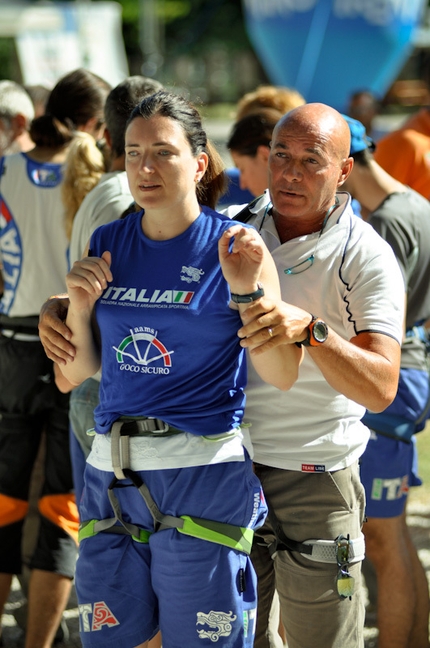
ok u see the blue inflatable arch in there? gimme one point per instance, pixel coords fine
(327, 49)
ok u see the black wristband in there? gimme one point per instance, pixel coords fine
(250, 297)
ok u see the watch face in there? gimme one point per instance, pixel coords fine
(320, 331)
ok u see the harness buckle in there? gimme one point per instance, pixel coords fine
(146, 427)
(152, 425)
(123, 429)
(120, 450)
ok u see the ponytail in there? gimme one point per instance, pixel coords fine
(48, 131)
(85, 165)
(214, 182)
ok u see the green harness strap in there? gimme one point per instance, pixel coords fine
(89, 529)
(239, 538)
(229, 535)
(235, 537)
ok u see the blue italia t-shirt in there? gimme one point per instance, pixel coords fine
(169, 340)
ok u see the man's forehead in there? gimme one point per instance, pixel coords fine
(311, 140)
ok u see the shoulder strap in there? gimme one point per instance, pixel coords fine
(245, 214)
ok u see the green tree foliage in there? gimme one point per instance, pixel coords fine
(206, 22)
(190, 26)
(201, 42)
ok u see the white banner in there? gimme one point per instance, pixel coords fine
(55, 39)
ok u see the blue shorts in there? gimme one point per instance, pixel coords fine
(195, 591)
(388, 468)
(407, 414)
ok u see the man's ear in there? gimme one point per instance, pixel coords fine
(345, 170)
(19, 125)
(108, 138)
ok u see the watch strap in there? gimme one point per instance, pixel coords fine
(313, 339)
(250, 297)
(306, 342)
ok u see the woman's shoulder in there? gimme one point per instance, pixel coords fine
(115, 227)
(217, 217)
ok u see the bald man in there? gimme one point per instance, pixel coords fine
(344, 280)
(16, 114)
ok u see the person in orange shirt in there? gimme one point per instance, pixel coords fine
(405, 153)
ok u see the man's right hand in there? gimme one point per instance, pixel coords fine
(287, 323)
(54, 334)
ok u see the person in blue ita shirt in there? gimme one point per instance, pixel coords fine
(170, 499)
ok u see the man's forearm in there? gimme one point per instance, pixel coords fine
(366, 369)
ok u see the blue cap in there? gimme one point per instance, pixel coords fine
(359, 140)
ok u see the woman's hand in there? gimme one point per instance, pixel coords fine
(242, 264)
(87, 280)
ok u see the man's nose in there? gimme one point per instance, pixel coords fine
(292, 171)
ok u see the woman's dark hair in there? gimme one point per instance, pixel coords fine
(167, 104)
(77, 97)
(253, 131)
(119, 104)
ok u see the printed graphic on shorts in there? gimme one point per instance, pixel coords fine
(390, 489)
(143, 352)
(220, 624)
(144, 298)
(258, 509)
(95, 617)
(11, 253)
(190, 274)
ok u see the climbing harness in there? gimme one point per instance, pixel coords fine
(229, 535)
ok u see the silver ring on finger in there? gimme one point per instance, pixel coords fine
(270, 331)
